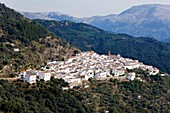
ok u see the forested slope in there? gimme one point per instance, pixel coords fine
(27, 44)
(114, 96)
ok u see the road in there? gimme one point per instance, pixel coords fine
(10, 79)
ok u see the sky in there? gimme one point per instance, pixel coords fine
(78, 8)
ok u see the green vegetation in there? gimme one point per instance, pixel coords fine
(150, 96)
(26, 44)
(131, 97)
(37, 45)
(19, 97)
(87, 37)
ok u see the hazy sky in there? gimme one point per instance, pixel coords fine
(78, 8)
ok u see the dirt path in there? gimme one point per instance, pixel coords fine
(10, 79)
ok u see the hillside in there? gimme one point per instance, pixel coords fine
(150, 20)
(26, 44)
(114, 96)
(87, 37)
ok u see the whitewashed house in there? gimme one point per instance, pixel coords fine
(16, 49)
(84, 76)
(52, 62)
(118, 72)
(150, 68)
(71, 80)
(22, 73)
(90, 74)
(131, 76)
(45, 75)
(103, 74)
(30, 78)
(129, 67)
(154, 71)
(65, 88)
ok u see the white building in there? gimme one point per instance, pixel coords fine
(75, 80)
(118, 72)
(154, 71)
(30, 78)
(102, 74)
(45, 76)
(84, 76)
(131, 76)
(16, 49)
(129, 67)
(90, 74)
(22, 73)
(65, 88)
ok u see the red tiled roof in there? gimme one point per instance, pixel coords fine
(32, 74)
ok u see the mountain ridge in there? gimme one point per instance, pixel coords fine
(152, 21)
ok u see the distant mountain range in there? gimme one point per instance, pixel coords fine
(145, 20)
(49, 16)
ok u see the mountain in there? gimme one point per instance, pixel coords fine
(49, 16)
(144, 20)
(151, 20)
(26, 44)
(87, 37)
(166, 40)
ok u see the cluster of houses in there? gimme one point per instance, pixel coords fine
(31, 76)
(88, 65)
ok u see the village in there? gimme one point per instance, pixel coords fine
(86, 65)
